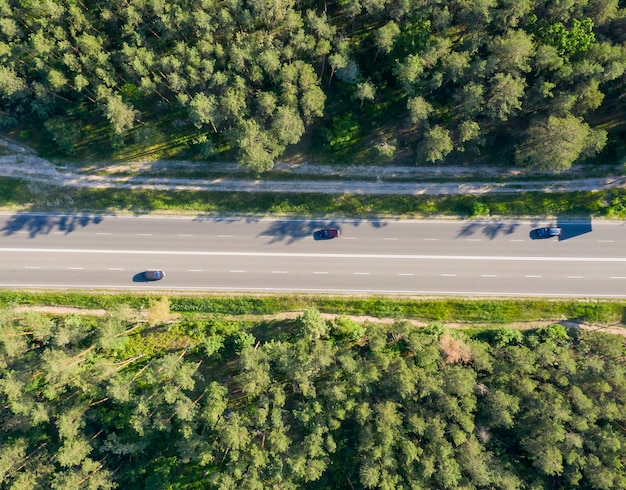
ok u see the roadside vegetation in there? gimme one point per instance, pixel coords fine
(20, 195)
(532, 83)
(421, 309)
(149, 398)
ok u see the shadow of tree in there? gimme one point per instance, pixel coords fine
(489, 229)
(291, 231)
(42, 224)
(294, 230)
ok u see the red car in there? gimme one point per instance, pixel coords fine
(326, 234)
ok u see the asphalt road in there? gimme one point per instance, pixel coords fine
(250, 254)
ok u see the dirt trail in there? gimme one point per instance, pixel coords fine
(612, 329)
(22, 162)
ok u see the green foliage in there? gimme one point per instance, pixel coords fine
(311, 325)
(342, 132)
(555, 144)
(338, 406)
(505, 336)
(258, 75)
(345, 329)
(571, 42)
(436, 145)
(65, 133)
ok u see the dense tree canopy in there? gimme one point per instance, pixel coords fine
(253, 76)
(123, 402)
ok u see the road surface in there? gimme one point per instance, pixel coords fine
(266, 255)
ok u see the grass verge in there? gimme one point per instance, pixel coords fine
(20, 195)
(448, 310)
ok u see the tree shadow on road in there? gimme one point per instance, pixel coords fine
(489, 229)
(294, 230)
(43, 224)
(291, 231)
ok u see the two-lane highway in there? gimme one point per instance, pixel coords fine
(371, 256)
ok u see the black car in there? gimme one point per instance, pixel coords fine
(326, 234)
(548, 232)
(153, 275)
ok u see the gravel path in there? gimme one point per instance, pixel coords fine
(19, 161)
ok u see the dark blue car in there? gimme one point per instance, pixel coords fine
(153, 275)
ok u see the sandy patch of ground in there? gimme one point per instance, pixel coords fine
(60, 310)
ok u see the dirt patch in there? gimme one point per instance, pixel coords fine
(61, 310)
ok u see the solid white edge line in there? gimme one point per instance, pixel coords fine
(320, 290)
(501, 258)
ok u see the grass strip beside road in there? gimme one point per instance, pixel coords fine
(485, 311)
(19, 195)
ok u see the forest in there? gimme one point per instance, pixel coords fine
(532, 83)
(140, 399)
